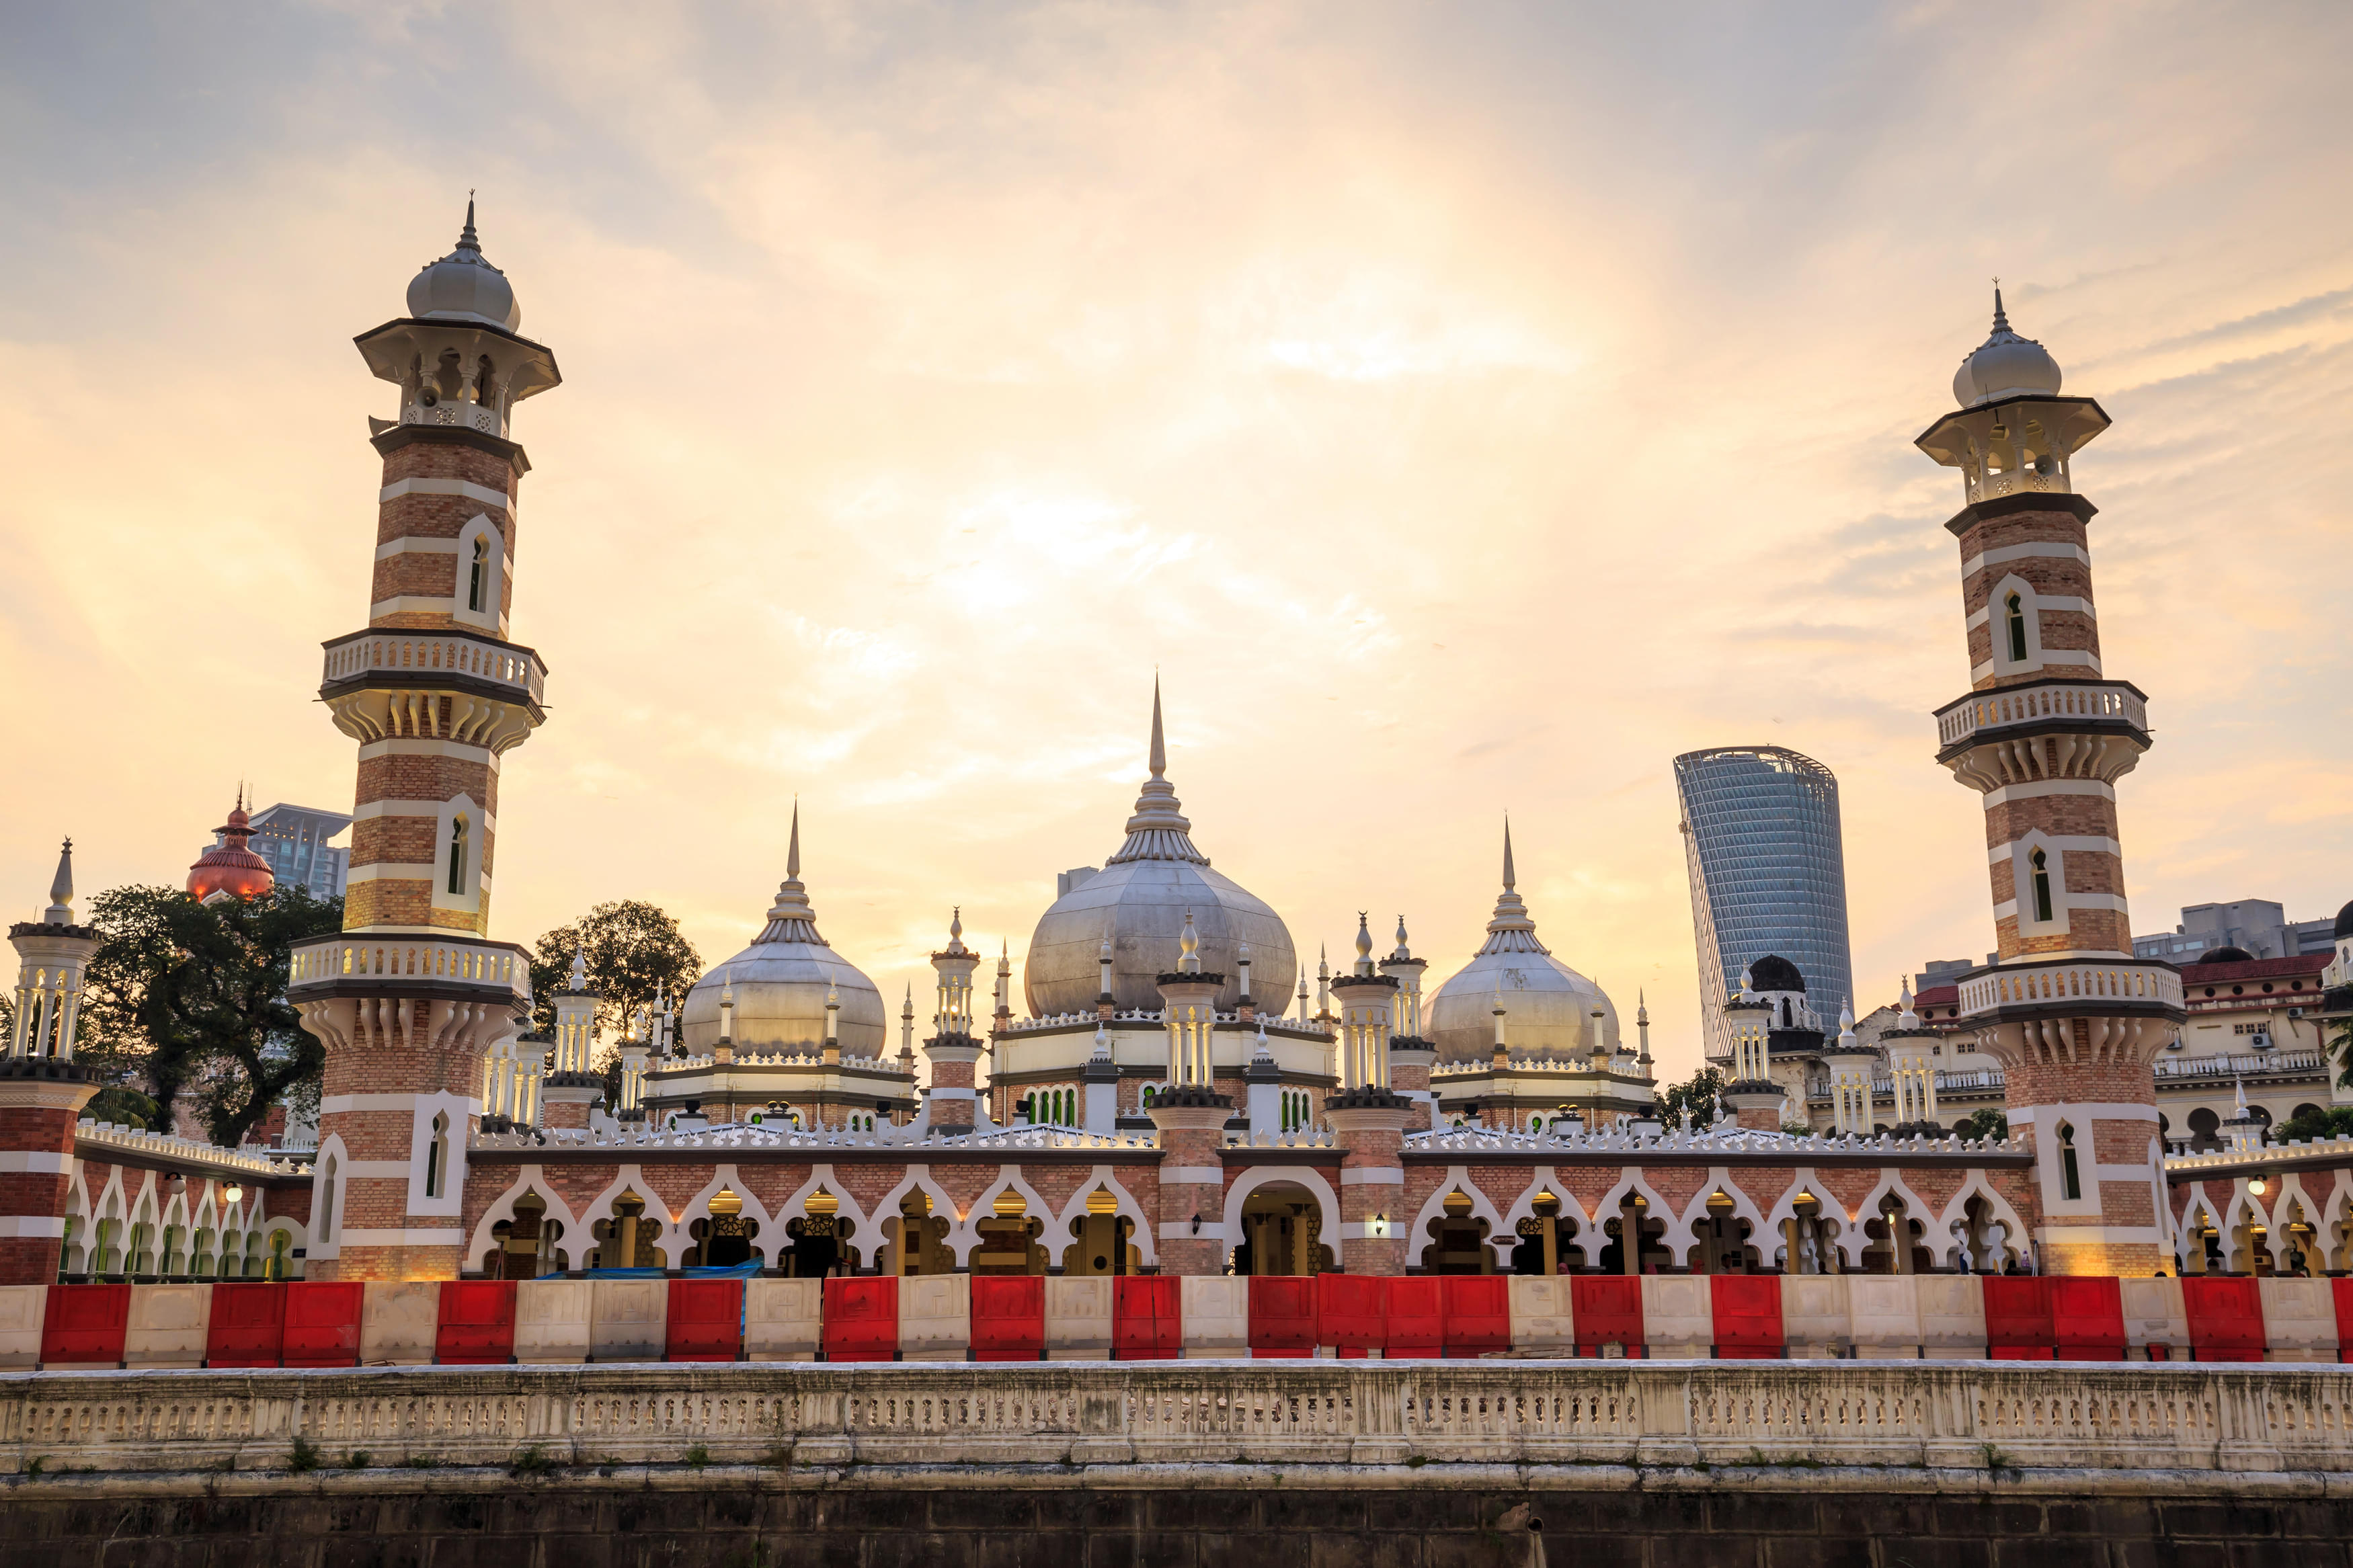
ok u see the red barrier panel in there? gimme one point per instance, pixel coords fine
(321, 1323)
(1417, 1317)
(2017, 1317)
(2226, 1318)
(1478, 1313)
(1748, 1309)
(861, 1318)
(2088, 1316)
(1351, 1312)
(1281, 1316)
(1009, 1316)
(1607, 1310)
(84, 1325)
(1147, 1318)
(2342, 1290)
(476, 1323)
(248, 1325)
(705, 1321)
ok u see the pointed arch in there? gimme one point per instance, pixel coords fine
(1142, 1239)
(964, 1233)
(1543, 1179)
(1229, 1219)
(726, 1177)
(869, 1238)
(1956, 1212)
(630, 1178)
(1500, 1236)
(531, 1179)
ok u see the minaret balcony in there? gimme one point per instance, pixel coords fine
(447, 660)
(1990, 739)
(357, 964)
(2070, 986)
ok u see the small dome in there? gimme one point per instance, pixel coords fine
(2344, 922)
(462, 287)
(1774, 972)
(230, 869)
(2224, 955)
(1139, 902)
(2005, 365)
(1549, 1009)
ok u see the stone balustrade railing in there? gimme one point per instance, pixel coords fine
(97, 1140)
(2109, 701)
(412, 654)
(1299, 1027)
(710, 1063)
(349, 955)
(1297, 1138)
(1973, 1416)
(1711, 1141)
(782, 1135)
(2067, 982)
(2244, 1066)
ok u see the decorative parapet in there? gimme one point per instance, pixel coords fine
(1154, 1017)
(2027, 983)
(1297, 1138)
(2264, 1064)
(105, 1140)
(886, 1066)
(1715, 1143)
(2128, 1416)
(910, 1139)
(2271, 1157)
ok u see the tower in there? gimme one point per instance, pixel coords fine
(42, 1089)
(412, 993)
(1411, 1054)
(953, 1049)
(1369, 1116)
(1191, 1116)
(570, 1088)
(2042, 737)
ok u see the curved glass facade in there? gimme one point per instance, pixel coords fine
(1767, 874)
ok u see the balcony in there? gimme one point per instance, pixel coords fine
(465, 659)
(2051, 988)
(2267, 1064)
(2113, 707)
(354, 964)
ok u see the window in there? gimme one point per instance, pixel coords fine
(2071, 1185)
(326, 1201)
(437, 1156)
(478, 579)
(458, 854)
(2041, 885)
(2017, 619)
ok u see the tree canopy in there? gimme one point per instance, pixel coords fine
(1696, 1094)
(191, 998)
(1991, 1121)
(635, 952)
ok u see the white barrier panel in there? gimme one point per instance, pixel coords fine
(1543, 1315)
(1678, 1316)
(167, 1325)
(783, 1319)
(1952, 1316)
(1217, 1316)
(400, 1321)
(1078, 1317)
(627, 1318)
(1815, 1323)
(935, 1317)
(21, 1309)
(2299, 1320)
(552, 1323)
(1884, 1314)
(2157, 1325)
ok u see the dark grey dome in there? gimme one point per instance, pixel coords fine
(1774, 972)
(2224, 955)
(2344, 922)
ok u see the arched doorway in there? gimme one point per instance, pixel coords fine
(626, 1239)
(1282, 1232)
(918, 1239)
(1101, 1240)
(1894, 1241)
(1809, 1238)
(524, 1247)
(1547, 1244)
(1648, 1253)
(724, 1240)
(1721, 1239)
(1456, 1240)
(1008, 1240)
(818, 1239)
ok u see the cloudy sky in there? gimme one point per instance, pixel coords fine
(1466, 408)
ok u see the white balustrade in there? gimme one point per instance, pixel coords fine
(353, 955)
(431, 653)
(2088, 981)
(2091, 701)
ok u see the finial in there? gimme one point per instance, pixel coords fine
(2001, 320)
(60, 910)
(1508, 879)
(580, 968)
(1402, 951)
(1159, 747)
(466, 240)
(1364, 945)
(793, 854)
(955, 924)
(908, 1011)
(1323, 959)
(1189, 944)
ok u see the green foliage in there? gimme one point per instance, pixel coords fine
(1989, 1122)
(699, 1456)
(635, 952)
(2329, 1122)
(305, 1457)
(2341, 1047)
(125, 1107)
(357, 1459)
(530, 1462)
(1697, 1094)
(191, 999)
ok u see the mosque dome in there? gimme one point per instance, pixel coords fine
(1549, 1009)
(1774, 972)
(462, 287)
(1138, 902)
(2344, 922)
(2224, 955)
(2005, 365)
(781, 982)
(230, 869)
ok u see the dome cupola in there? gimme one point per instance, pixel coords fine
(462, 287)
(230, 869)
(1549, 1009)
(2005, 365)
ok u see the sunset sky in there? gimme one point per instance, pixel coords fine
(1465, 408)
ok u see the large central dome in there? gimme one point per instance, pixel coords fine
(1138, 902)
(1549, 1009)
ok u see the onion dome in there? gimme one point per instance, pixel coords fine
(230, 870)
(2005, 365)
(462, 287)
(781, 984)
(2224, 955)
(1549, 1009)
(2344, 922)
(1774, 972)
(1137, 904)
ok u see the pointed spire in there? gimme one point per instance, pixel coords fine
(793, 855)
(580, 968)
(466, 237)
(1158, 831)
(60, 910)
(1403, 952)
(1159, 747)
(1363, 945)
(1260, 1049)
(2001, 318)
(1509, 879)
(1510, 929)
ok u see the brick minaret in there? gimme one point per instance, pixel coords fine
(1370, 1118)
(411, 994)
(1191, 1116)
(570, 1089)
(2074, 1019)
(1411, 1054)
(954, 1049)
(42, 1089)
(1749, 1091)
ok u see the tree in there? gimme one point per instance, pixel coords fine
(190, 997)
(1988, 1122)
(635, 952)
(2327, 1121)
(1696, 1094)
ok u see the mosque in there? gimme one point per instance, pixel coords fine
(1175, 1093)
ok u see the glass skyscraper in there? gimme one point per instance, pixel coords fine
(1761, 838)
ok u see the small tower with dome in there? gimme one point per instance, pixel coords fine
(42, 1088)
(230, 869)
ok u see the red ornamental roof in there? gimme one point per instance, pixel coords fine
(231, 869)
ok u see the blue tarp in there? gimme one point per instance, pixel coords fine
(732, 1272)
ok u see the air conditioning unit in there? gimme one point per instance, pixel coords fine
(2296, 1011)
(2260, 1039)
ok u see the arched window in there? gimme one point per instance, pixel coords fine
(456, 855)
(1785, 1022)
(478, 579)
(2070, 1184)
(2016, 618)
(2041, 885)
(437, 1156)
(327, 1200)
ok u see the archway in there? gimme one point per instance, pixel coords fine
(1649, 1254)
(1982, 1239)
(524, 1247)
(1282, 1232)
(818, 1239)
(1008, 1238)
(1809, 1237)
(918, 1238)
(626, 1239)
(1456, 1239)
(1547, 1242)
(1893, 1244)
(724, 1239)
(1723, 1240)
(1101, 1240)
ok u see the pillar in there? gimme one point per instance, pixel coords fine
(42, 1088)
(1369, 1118)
